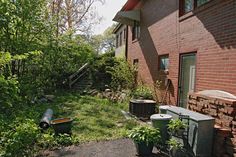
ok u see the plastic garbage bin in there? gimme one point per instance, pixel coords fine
(161, 121)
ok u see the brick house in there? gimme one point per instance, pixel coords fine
(190, 42)
(189, 45)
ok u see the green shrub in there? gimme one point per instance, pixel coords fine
(143, 92)
(175, 125)
(122, 75)
(9, 93)
(19, 140)
(145, 134)
(50, 140)
(100, 68)
(174, 144)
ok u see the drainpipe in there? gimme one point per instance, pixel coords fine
(126, 43)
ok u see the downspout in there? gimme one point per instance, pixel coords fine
(126, 43)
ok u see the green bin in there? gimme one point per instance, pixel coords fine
(161, 121)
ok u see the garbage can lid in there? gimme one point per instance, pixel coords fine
(164, 107)
(160, 117)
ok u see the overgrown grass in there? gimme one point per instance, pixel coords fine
(94, 119)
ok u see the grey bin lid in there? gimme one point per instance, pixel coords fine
(142, 101)
(164, 107)
(160, 117)
(192, 115)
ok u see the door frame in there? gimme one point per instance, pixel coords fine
(180, 72)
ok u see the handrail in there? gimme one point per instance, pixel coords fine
(71, 77)
(80, 69)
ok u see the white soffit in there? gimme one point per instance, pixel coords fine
(127, 17)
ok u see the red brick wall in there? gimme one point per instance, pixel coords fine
(210, 31)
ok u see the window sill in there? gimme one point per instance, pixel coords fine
(199, 9)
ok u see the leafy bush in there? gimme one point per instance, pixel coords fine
(176, 125)
(143, 92)
(9, 92)
(122, 75)
(23, 138)
(100, 68)
(174, 144)
(145, 134)
(19, 139)
(50, 140)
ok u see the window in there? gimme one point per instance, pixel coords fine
(121, 37)
(135, 64)
(136, 30)
(135, 61)
(124, 33)
(117, 41)
(164, 62)
(189, 5)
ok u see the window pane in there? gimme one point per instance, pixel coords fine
(117, 41)
(164, 63)
(136, 30)
(201, 2)
(124, 33)
(120, 38)
(135, 64)
(188, 5)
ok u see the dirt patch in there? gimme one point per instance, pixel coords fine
(113, 148)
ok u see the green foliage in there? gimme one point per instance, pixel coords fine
(99, 69)
(27, 26)
(5, 58)
(19, 138)
(175, 125)
(122, 75)
(47, 71)
(104, 42)
(174, 144)
(143, 92)
(22, 25)
(9, 92)
(116, 73)
(145, 134)
(105, 122)
(50, 140)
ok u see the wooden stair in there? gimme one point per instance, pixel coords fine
(81, 80)
(84, 82)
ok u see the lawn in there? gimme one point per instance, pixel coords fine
(94, 118)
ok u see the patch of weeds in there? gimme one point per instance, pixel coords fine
(19, 138)
(50, 140)
(130, 124)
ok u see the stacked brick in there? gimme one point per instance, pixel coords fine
(224, 112)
